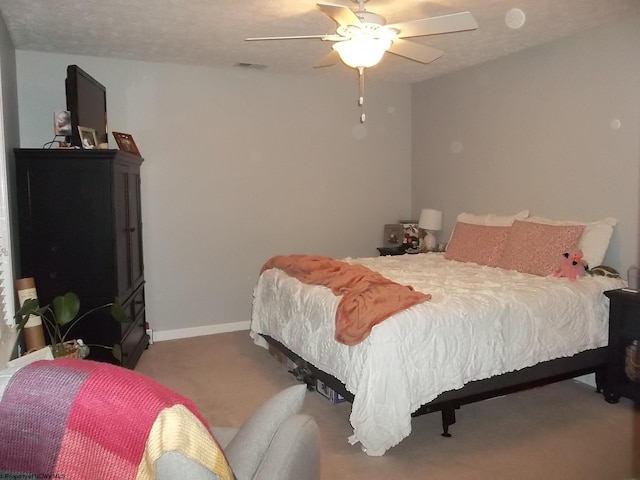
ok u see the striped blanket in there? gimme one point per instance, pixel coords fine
(78, 419)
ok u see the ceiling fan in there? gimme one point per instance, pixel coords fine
(362, 38)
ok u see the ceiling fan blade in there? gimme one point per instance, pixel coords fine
(456, 22)
(329, 59)
(297, 37)
(414, 51)
(341, 15)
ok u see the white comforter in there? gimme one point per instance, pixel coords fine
(480, 322)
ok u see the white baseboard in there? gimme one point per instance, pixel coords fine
(159, 336)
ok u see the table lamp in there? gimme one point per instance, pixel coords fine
(430, 221)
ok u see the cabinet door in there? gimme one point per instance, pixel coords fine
(129, 260)
(135, 228)
(64, 227)
(121, 216)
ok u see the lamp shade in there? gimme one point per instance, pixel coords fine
(430, 219)
(362, 52)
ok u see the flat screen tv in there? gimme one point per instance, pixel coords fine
(87, 103)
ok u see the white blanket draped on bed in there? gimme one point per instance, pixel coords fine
(481, 321)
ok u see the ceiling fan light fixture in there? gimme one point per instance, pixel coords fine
(362, 52)
(362, 37)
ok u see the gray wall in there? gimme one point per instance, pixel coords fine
(240, 165)
(554, 129)
(9, 138)
(8, 89)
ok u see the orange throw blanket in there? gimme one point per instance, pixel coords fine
(368, 298)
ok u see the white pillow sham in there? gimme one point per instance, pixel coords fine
(491, 219)
(595, 239)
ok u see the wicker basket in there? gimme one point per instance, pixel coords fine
(70, 348)
(632, 361)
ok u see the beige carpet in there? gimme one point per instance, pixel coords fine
(563, 431)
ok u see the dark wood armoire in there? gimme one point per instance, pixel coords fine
(80, 230)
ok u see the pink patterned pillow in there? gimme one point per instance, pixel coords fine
(537, 248)
(481, 244)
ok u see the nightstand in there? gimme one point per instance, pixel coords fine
(624, 328)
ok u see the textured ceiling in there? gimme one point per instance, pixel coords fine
(212, 32)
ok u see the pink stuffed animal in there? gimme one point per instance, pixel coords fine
(572, 265)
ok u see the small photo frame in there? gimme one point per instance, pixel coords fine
(393, 235)
(126, 143)
(62, 123)
(87, 138)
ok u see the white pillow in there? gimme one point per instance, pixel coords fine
(492, 219)
(595, 239)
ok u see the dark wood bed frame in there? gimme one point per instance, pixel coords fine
(590, 361)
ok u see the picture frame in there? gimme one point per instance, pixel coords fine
(62, 123)
(393, 235)
(88, 138)
(126, 143)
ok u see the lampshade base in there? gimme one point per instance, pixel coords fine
(430, 242)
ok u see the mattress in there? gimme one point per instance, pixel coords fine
(480, 322)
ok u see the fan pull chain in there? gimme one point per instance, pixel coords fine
(361, 96)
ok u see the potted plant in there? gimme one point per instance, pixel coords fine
(60, 317)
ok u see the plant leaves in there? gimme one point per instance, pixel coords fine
(31, 306)
(118, 312)
(28, 306)
(117, 352)
(66, 307)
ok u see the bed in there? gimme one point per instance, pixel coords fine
(486, 330)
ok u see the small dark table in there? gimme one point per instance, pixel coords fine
(624, 328)
(391, 251)
(396, 251)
